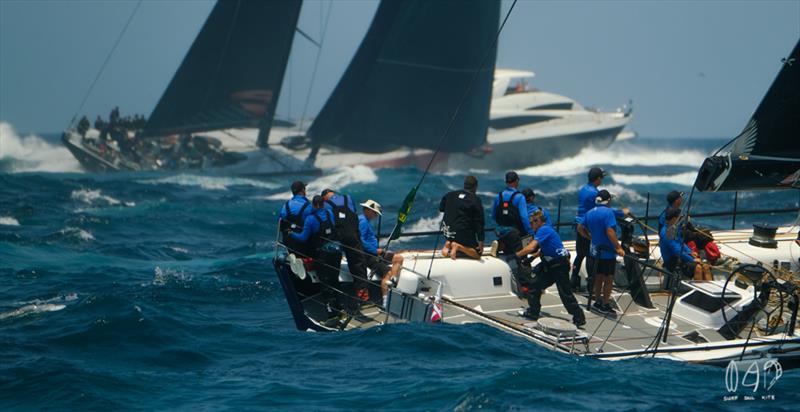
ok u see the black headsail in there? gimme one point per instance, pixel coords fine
(766, 154)
(408, 76)
(233, 72)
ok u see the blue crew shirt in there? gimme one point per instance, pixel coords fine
(311, 225)
(519, 203)
(673, 247)
(662, 223)
(368, 239)
(597, 220)
(339, 200)
(550, 243)
(662, 219)
(295, 204)
(586, 202)
(532, 208)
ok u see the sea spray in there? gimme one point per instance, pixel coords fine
(32, 154)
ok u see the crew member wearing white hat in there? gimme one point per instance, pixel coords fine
(377, 259)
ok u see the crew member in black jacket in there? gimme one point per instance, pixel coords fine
(463, 221)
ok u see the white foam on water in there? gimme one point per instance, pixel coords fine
(425, 224)
(617, 156)
(77, 232)
(31, 309)
(95, 197)
(39, 306)
(571, 192)
(163, 276)
(33, 154)
(684, 179)
(210, 182)
(337, 179)
(8, 221)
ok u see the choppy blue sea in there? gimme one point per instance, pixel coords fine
(156, 292)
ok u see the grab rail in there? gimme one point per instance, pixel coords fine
(558, 224)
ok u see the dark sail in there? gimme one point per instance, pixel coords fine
(766, 154)
(233, 72)
(408, 76)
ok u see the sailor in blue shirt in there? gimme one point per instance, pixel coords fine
(586, 202)
(319, 219)
(674, 251)
(601, 224)
(293, 214)
(377, 260)
(530, 201)
(674, 199)
(317, 237)
(553, 268)
(510, 212)
(345, 217)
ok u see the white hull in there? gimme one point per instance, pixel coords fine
(485, 291)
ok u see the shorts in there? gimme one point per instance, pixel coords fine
(377, 265)
(687, 269)
(582, 245)
(510, 237)
(606, 267)
(465, 238)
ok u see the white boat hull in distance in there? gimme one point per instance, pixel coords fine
(239, 159)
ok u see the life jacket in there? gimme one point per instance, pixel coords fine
(712, 252)
(295, 222)
(506, 213)
(345, 220)
(326, 233)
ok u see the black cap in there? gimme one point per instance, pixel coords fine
(603, 195)
(512, 177)
(672, 213)
(297, 187)
(673, 196)
(596, 172)
(325, 192)
(528, 193)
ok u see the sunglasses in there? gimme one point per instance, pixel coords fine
(535, 220)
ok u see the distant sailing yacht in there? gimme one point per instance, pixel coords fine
(230, 78)
(396, 97)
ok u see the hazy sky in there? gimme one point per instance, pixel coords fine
(692, 68)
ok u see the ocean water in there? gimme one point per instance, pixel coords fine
(156, 292)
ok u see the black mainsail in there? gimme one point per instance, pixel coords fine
(766, 154)
(232, 74)
(408, 76)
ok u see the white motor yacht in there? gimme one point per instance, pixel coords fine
(529, 126)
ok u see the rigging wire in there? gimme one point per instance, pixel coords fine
(105, 62)
(452, 121)
(324, 29)
(466, 93)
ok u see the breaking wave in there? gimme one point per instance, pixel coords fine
(617, 156)
(8, 221)
(209, 182)
(76, 233)
(32, 154)
(337, 179)
(685, 179)
(96, 197)
(39, 306)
